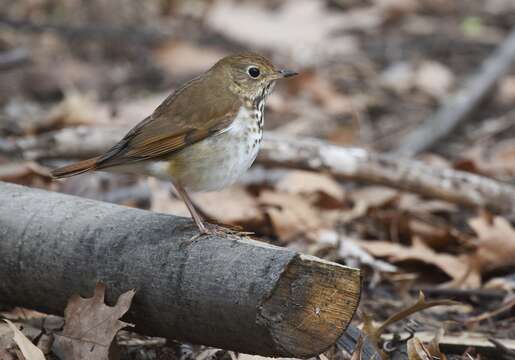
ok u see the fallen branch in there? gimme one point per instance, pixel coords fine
(221, 290)
(361, 165)
(309, 154)
(458, 107)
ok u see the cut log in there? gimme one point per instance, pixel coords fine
(220, 290)
(303, 153)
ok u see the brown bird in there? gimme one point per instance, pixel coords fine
(202, 137)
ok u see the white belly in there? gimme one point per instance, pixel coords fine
(219, 160)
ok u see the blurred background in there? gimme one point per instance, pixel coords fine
(371, 71)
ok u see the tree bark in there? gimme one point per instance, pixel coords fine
(221, 290)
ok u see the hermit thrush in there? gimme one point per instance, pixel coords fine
(203, 137)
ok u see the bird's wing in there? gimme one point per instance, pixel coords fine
(184, 118)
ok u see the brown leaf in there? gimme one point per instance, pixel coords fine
(434, 346)
(232, 206)
(417, 350)
(496, 246)
(321, 188)
(456, 268)
(28, 349)
(161, 199)
(496, 161)
(415, 204)
(435, 235)
(91, 325)
(374, 196)
(290, 215)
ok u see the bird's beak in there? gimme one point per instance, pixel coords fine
(286, 73)
(283, 74)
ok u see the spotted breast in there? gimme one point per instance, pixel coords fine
(219, 160)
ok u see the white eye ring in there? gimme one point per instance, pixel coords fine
(253, 72)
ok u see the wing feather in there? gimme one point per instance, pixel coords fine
(175, 124)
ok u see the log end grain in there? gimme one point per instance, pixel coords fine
(311, 306)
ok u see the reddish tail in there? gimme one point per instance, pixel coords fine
(75, 169)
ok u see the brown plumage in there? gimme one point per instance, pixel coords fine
(190, 137)
(76, 168)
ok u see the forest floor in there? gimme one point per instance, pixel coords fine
(370, 73)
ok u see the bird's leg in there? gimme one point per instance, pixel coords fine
(199, 221)
(203, 226)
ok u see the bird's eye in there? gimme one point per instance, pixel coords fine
(253, 72)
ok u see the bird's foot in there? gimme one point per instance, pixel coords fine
(212, 229)
(228, 230)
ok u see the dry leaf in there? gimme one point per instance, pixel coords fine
(323, 189)
(456, 268)
(374, 196)
(496, 161)
(496, 246)
(290, 215)
(232, 206)
(435, 235)
(417, 350)
(415, 204)
(162, 201)
(28, 349)
(434, 346)
(434, 79)
(91, 325)
(349, 249)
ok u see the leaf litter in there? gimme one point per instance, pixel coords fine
(91, 325)
(388, 61)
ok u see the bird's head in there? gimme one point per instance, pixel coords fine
(250, 76)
